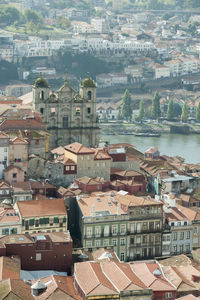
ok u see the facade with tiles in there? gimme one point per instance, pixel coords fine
(69, 116)
(129, 224)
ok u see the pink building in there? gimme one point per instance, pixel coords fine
(13, 174)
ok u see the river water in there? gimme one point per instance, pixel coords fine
(186, 146)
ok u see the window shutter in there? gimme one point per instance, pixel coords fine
(46, 220)
(41, 221)
(56, 220)
(64, 219)
(31, 222)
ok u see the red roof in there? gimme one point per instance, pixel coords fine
(22, 124)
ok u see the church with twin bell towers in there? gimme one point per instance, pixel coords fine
(69, 116)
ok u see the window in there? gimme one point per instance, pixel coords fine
(88, 110)
(122, 256)
(89, 95)
(88, 244)
(195, 230)
(72, 168)
(97, 231)
(144, 226)
(132, 227)
(5, 149)
(65, 122)
(180, 248)
(97, 243)
(106, 230)
(41, 110)
(174, 236)
(187, 247)
(187, 235)
(122, 242)
(114, 242)
(144, 239)
(114, 229)
(139, 225)
(5, 231)
(168, 295)
(158, 225)
(138, 240)
(182, 235)
(14, 175)
(174, 249)
(67, 168)
(106, 242)
(42, 95)
(38, 256)
(53, 110)
(89, 232)
(157, 238)
(78, 111)
(151, 226)
(123, 229)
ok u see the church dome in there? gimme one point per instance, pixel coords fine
(41, 83)
(88, 83)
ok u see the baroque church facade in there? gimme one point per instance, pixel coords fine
(69, 116)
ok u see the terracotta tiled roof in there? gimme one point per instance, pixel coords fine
(43, 207)
(11, 168)
(59, 150)
(22, 124)
(3, 135)
(100, 154)
(9, 267)
(58, 287)
(128, 173)
(15, 288)
(18, 140)
(188, 297)
(8, 215)
(145, 271)
(78, 148)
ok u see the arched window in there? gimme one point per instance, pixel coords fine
(89, 95)
(42, 95)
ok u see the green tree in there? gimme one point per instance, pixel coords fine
(170, 110)
(126, 110)
(32, 16)
(9, 15)
(155, 108)
(62, 23)
(185, 112)
(198, 112)
(141, 111)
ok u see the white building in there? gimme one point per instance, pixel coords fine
(4, 152)
(161, 71)
(100, 25)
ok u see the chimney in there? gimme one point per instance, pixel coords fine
(38, 288)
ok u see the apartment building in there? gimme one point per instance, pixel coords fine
(43, 215)
(131, 225)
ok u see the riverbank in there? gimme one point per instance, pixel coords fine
(121, 128)
(186, 146)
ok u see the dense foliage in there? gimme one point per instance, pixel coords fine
(126, 110)
(155, 108)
